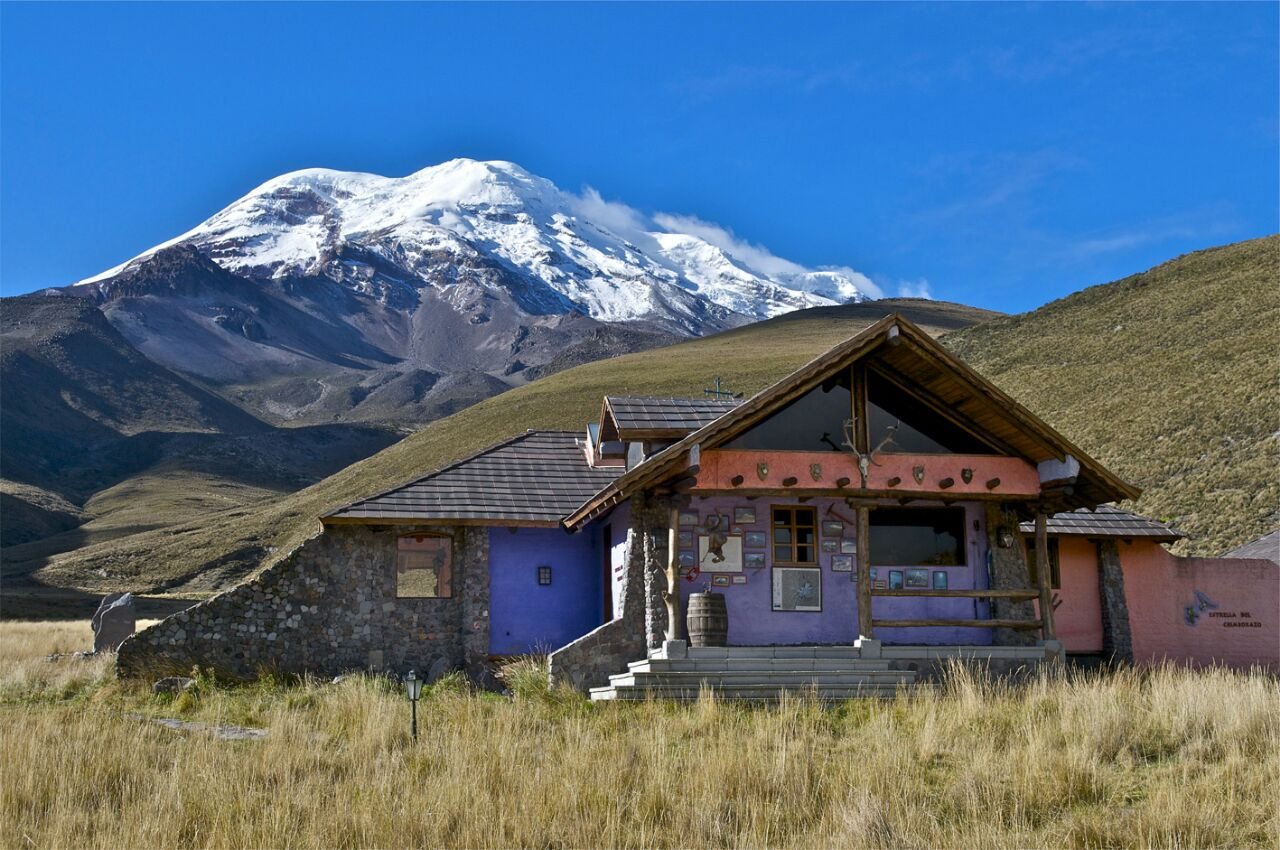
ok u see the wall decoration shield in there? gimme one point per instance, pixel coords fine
(917, 472)
(815, 471)
(966, 475)
(762, 470)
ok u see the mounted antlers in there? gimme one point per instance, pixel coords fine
(865, 461)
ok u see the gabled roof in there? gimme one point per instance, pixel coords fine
(533, 479)
(644, 417)
(1106, 521)
(909, 355)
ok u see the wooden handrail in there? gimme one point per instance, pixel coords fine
(957, 624)
(990, 593)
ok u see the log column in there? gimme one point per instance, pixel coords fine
(1043, 573)
(865, 628)
(671, 596)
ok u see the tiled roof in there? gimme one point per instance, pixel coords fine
(635, 413)
(1106, 521)
(537, 477)
(1267, 546)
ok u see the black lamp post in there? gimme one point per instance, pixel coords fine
(413, 690)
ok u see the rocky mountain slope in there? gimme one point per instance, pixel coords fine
(326, 295)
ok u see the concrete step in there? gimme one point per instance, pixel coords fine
(763, 693)
(723, 679)
(760, 664)
(721, 652)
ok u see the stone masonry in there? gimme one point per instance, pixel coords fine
(1009, 571)
(329, 607)
(589, 661)
(1117, 640)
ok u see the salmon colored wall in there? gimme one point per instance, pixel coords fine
(1078, 620)
(717, 467)
(1244, 628)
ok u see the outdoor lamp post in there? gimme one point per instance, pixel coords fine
(413, 690)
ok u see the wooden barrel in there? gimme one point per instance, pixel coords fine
(708, 619)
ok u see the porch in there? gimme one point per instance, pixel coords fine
(764, 673)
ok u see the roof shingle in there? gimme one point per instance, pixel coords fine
(539, 477)
(682, 415)
(1106, 521)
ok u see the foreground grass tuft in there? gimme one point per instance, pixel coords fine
(1168, 758)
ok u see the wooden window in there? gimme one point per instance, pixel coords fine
(917, 537)
(1055, 565)
(424, 567)
(795, 536)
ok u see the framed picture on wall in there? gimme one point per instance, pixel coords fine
(797, 589)
(917, 578)
(895, 579)
(842, 563)
(731, 553)
(686, 539)
(688, 519)
(744, 516)
(939, 579)
(849, 546)
(832, 528)
(720, 581)
(755, 540)
(754, 560)
(688, 559)
(739, 579)
(830, 545)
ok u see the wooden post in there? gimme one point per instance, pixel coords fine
(671, 596)
(1043, 573)
(865, 628)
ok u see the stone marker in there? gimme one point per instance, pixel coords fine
(172, 685)
(114, 621)
(438, 670)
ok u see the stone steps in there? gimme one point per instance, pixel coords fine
(757, 674)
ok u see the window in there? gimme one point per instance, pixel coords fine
(424, 567)
(917, 537)
(1055, 565)
(812, 423)
(920, 430)
(795, 536)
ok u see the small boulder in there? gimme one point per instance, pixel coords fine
(438, 670)
(115, 620)
(173, 685)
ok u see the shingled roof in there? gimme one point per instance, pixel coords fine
(533, 479)
(1106, 521)
(1267, 547)
(643, 417)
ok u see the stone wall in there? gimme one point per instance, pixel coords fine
(589, 661)
(329, 607)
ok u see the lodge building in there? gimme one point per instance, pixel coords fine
(880, 510)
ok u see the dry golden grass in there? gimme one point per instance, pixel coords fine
(1170, 758)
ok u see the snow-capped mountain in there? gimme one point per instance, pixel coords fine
(375, 234)
(327, 295)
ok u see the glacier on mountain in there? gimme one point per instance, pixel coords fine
(578, 252)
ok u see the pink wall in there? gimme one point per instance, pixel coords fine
(1078, 620)
(1242, 630)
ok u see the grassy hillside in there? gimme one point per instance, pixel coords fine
(1170, 377)
(216, 548)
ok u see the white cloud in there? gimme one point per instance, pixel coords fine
(635, 226)
(914, 289)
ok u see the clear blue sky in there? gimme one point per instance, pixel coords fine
(1005, 154)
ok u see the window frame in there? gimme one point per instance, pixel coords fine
(448, 564)
(793, 527)
(1055, 563)
(962, 546)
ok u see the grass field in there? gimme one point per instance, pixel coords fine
(1168, 758)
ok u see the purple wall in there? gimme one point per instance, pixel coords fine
(753, 622)
(527, 617)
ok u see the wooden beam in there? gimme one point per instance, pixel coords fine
(671, 595)
(866, 626)
(861, 427)
(957, 624)
(1043, 572)
(961, 594)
